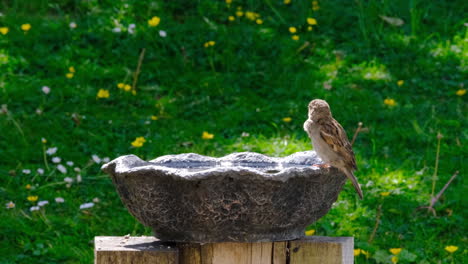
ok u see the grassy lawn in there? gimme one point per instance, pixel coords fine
(243, 71)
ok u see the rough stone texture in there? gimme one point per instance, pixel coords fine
(242, 197)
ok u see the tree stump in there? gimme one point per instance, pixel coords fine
(310, 250)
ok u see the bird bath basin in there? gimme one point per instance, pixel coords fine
(242, 197)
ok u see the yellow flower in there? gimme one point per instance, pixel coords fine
(228, 2)
(154, 117)
(239, 13)
(127, 87)
(206, 135)
(295, 37)
(43, 140)
(209, 43)
(311, 21)
(365, 253)
(120, 85)
(250, 15)
(154, 21)
(259, 21)
(461, 92)
(71, 69)
(310, 232)
(28, 186)
(287, 119)
(384, 194)
(103, 93)
(357, 252)
(287, 2)
(69, 75)
(451, 249)
(394, 260)
(315, 5)
(32, 198)
(231, 18)
(395, 251)
(292, 30)
(310, 28)
(26, 27)
(134, 92)
(400, 82)
(4, 30)
(138, 142)
(390, 102)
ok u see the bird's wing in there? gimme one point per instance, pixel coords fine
(335, 136)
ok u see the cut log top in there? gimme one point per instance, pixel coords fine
(310, 250)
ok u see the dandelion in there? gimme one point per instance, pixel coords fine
(40, 171)
(26, 171)
(96, 158)
(311, 21)
(51, 151)
(86, 206)
(4, 30)
(162, 33)
(228, 2)
(461, 92)
(292, 30)
(206, 135)
(357, 252)
(251, 15)
(210, 43)
(43, 140)
(138, 142)
(68, 180)
(42, 203)
(120, 85)
(69, 75)
(72, 25)
(239, 13)
(231, 18)
(295, 37)
(56, 160)
(384, 194)
(450, 249)
(154, 21)
(400, 82)
(310, 232)
(287, 119)
(32, 198)
(59, 200)
(28, 186)
(153, 117)
(62, 168)
(390, 102)
(102, 93)
(70, 163)
(259, 21)
(26, 27)
(310, 28)
(287, 2)
(394, 260)
(395, 251)
(71, 69)
(10, 205)
(127, 87)
(315, 5)
(34, 208)
(45, 89)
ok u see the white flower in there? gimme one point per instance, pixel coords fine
(46, 89)
(76, 169)
(68, 179)
(70, 163)
(56, 159)
(116, 30)
(131, 28)
(26, 171)
(59, 200)
(39, 111)
(51, 151)
(245, 134)
(78, 178)
(42, 203)
(40, 171)
(86, 205)
(106, 159)
(96, 158)
(10, 205)
(62, 168)
(72, 25)
(162, 33)
(96, 200)
(34, 208)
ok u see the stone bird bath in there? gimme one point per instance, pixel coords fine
(242, 197)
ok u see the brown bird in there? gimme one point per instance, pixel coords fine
(330, 141)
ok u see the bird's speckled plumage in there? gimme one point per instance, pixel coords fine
(330, 141)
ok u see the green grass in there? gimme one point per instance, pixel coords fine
(253, 77)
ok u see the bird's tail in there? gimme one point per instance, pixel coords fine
(353, 179)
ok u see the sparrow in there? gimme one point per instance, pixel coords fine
(330, 141)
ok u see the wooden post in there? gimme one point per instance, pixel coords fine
(309, 250)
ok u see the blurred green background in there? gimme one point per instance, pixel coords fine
(223, 76)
